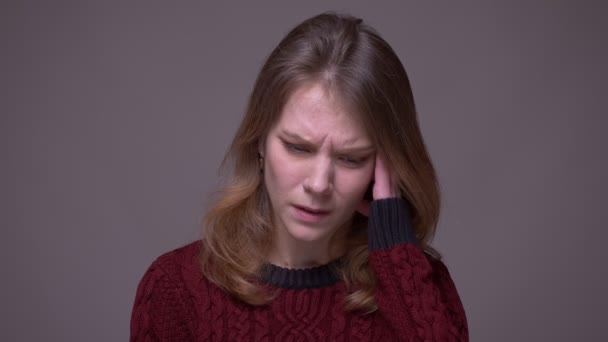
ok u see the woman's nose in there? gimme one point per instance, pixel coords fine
(320, 179)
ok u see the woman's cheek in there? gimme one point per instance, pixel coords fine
(292, 174)
(354, 187)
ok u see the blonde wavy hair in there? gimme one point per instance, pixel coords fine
(352, 60)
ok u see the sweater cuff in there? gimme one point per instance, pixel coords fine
(390, 223)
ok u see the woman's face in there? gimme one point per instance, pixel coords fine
(318, 162)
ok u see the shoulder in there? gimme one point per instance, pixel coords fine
(438, 265)
(180, 258)
(164, 298)
(173, 270)
(178, 265)
(442, 277)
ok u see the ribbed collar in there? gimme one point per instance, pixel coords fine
(290, 278)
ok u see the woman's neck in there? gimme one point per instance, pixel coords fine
(288, 252)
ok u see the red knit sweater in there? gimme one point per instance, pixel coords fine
(416, 297)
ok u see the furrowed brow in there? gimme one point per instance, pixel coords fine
(357, 150)
(293, 136)
(347, 150)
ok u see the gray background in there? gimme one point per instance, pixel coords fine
(115, 117)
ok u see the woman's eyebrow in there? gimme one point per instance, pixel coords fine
(294, 136)
(351, 149)
(358, 149)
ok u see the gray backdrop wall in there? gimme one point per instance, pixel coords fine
(115, 117)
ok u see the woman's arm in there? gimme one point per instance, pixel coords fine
(414, 292)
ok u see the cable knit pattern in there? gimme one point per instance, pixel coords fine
(416, 297)
(408, 279)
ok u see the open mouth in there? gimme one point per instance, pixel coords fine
(311, 215)
(313, 211)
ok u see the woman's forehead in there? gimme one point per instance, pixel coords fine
(314, 114)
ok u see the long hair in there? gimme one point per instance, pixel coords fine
(355, 63)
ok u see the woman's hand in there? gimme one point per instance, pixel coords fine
(385, 186)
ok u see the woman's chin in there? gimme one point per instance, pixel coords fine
(308, 234)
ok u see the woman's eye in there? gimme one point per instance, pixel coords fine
(296, 148)
(352, 161)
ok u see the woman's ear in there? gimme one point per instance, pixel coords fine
(261, 147)
(261, 161)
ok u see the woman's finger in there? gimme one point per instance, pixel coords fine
(383, 180)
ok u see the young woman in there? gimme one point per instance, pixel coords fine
(321, 231)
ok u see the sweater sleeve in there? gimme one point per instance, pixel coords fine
(161, 310)
(414, 293)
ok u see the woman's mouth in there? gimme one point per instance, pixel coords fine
(308, 214)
